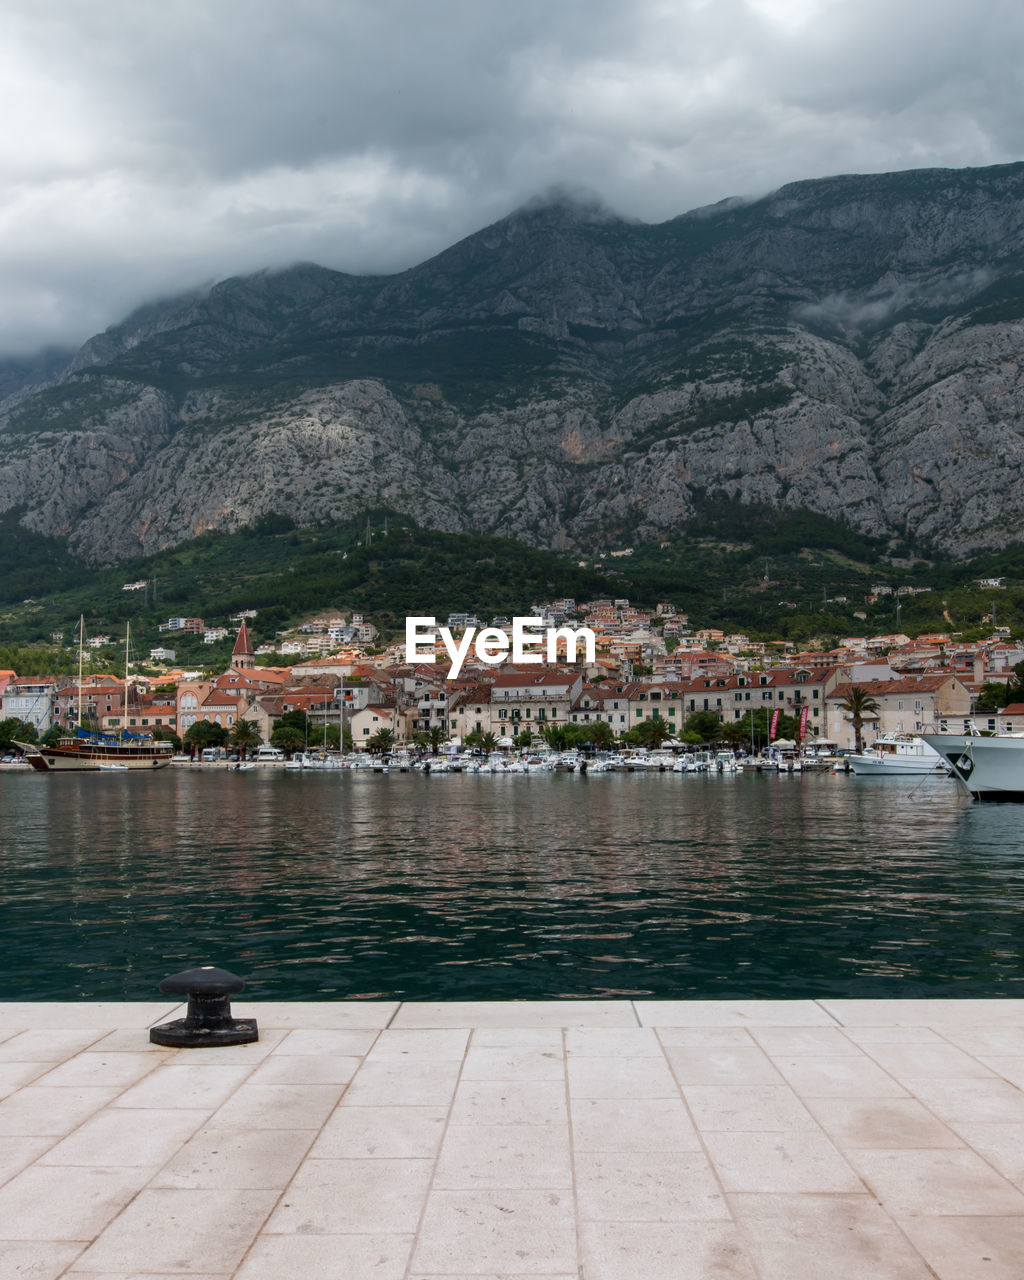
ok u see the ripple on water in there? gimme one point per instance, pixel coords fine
(399, 886)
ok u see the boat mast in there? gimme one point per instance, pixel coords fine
(127, 648)
(81, 645)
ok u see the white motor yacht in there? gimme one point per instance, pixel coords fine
(898, 753)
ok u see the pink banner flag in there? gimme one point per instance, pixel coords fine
(803, 721)
(775, 725)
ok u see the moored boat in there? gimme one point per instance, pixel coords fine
(897, 753)
(987, 768)
(94, 751)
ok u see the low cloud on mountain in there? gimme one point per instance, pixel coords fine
(147, 149)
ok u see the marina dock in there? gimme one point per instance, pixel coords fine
(557, 1140)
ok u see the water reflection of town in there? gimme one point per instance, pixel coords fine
(441, 887)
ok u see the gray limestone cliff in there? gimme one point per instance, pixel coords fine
(850, 345)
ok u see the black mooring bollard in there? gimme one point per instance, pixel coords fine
(208, 1022)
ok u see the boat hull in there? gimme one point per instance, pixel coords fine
(872, 766)
(94, 757)
(898, 754)
(986, 768)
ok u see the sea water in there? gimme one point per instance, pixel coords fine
(320, 886)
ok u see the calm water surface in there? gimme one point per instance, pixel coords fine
(321, 886)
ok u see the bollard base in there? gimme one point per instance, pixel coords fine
(181, 1035)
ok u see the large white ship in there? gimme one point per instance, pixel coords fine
(987, 768)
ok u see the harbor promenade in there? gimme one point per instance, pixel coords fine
(602, 1140)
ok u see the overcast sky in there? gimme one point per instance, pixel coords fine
(147, 148)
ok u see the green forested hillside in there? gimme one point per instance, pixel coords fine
(789, 575)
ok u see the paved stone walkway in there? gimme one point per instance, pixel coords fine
(647, 1140)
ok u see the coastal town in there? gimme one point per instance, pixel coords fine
(332, 676)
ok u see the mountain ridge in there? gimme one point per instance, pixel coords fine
(845, 345)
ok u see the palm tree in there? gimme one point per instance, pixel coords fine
(245, 736)
(655, 732)
(382, 741)
(436, 735)
(554, 736)
(859, 705)
(489, 742)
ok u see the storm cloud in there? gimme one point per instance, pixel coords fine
(147, 150)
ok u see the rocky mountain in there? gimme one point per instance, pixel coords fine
(849, 345)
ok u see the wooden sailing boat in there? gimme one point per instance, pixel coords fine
(98, 751)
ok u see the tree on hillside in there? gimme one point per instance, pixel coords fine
(655, 733)
(246, 737)
(734, 735)
(331, 738)
(600, 735)
(702, 726)
(12, 728)
(203, 733)
(288, 739)
(859, 706)
(297, 720)
(162, 734)
(555, 736)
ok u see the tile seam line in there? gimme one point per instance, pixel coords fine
(570, 1137)
(421, 1216)
(876, 1195)
(160, 1060)
(834, 1021)
(316, 1133)
(704, 1149)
